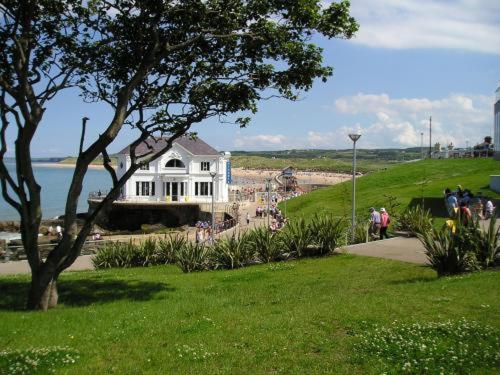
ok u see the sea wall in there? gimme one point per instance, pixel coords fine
(130, 216)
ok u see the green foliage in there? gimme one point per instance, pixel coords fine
(297, 237)
(36, 360)
(234, 251)
(415, 220)
(401, 181)
(327, 232)
(168, 247)
(361, 231)
(451, 347)
(462, 248)
(267, 245)
(194, 257)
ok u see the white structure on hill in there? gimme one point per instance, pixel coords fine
(190, 172)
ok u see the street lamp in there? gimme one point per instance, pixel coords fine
(213, 174)
(354, 139)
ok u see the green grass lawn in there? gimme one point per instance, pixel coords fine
(298, 317)
(405, 181)
(326, 165)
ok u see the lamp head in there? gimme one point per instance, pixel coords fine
(213, 174)
(354, 137)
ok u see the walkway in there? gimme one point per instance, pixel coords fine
(398, 248)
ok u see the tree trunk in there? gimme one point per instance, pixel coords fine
(43, 292)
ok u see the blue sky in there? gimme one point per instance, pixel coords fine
(411, 59)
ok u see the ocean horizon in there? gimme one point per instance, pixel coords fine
(55, 181)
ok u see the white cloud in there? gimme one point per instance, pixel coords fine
(471, 25)
(399, 122)
(260, 141)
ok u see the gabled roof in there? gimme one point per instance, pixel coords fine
(193, 146)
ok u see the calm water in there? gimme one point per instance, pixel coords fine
(55, 183)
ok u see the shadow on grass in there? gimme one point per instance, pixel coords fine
(415, 280)
(13, 293)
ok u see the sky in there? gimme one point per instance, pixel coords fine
(410, 60)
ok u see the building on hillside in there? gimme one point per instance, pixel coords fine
(190, 172)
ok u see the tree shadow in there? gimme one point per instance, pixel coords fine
(77, 293)
(415, 280)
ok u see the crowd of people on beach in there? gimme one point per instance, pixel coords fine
(466, 206)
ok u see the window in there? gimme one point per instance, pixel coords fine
(144, 167)
(203, 188)
(205, 166)
(175, 163)
(145, 188)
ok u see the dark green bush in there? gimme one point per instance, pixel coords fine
(296, 237)
(194, 257)
(327, 233)
(415, 220)
(267, 245)
(233, 252)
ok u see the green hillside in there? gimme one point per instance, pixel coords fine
(405, 181)
(308, 164)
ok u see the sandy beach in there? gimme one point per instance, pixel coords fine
(242, 176)
(61, 165)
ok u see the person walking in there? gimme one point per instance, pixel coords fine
(374, 223)
(248, 218)
(385, 220)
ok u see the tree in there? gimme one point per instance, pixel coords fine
(161, 66)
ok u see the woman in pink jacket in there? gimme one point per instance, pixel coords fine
(385, 220)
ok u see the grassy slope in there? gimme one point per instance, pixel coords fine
(402, 181)
(295, 317)
(330, 165)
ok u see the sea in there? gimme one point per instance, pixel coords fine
(55, 181)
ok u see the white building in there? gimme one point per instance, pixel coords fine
(182, 175)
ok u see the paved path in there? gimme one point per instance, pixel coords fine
(397, 248)
(21, 266)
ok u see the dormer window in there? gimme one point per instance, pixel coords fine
(205, 166)
(175, 163)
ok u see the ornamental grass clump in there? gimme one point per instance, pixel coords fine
(461, 248)
(194, 257)
(267, 245)
(36, 360)
(327, 233)
(116, 255)
(233, 252)
(168, 247)
(451, 347)
(414, 220)
(297, 237)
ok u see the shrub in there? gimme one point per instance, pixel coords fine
(296, 237)
(415, 220)
(265, 244)
(361, 232)
(233, 252)
(489, 244)
(115, 254)
(451, 253)
(168, 247)
(327, 232)
(193, 257)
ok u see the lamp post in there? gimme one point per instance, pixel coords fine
(354, 139)
(213, 174)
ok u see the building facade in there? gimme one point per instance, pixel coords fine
(190, 172)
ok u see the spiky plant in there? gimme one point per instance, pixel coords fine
(266, 245)
(296, 237)
(233, 252)
(194, 257)
(327, 232)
